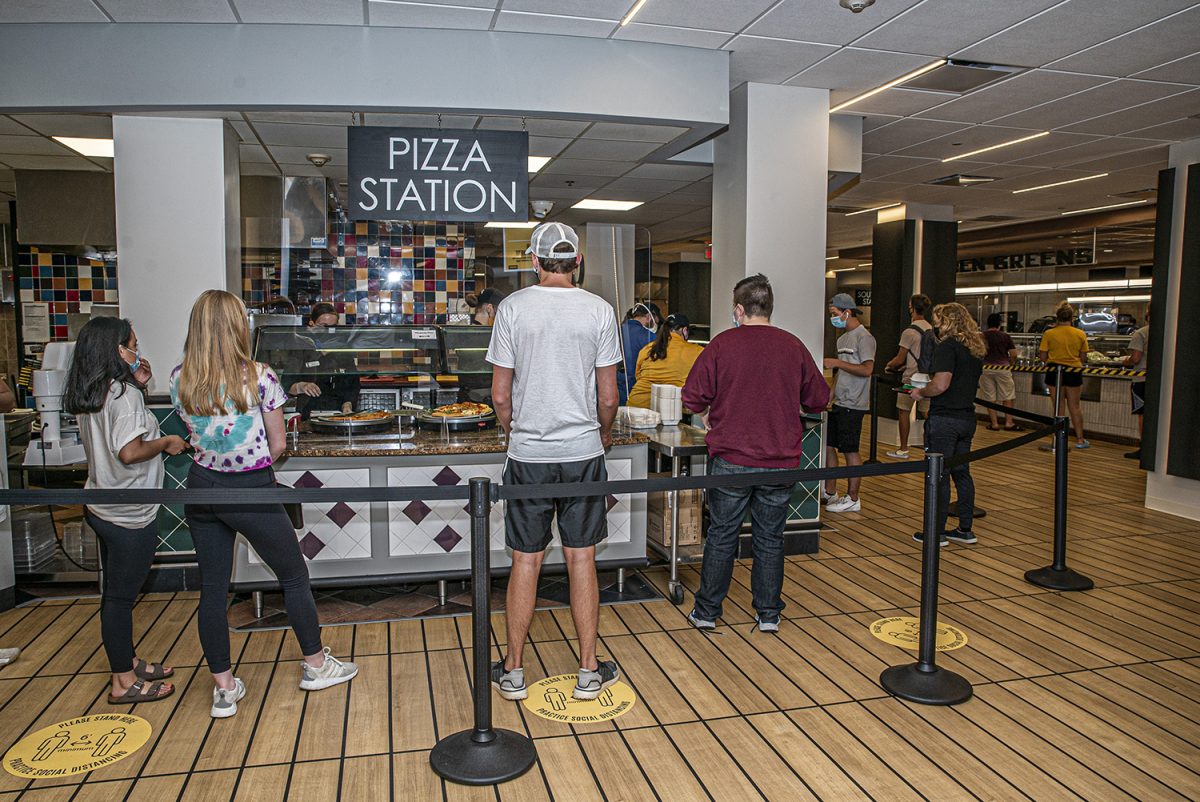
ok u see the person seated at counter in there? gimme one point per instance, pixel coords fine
(321, 380)
(636, 333)
(484, 306)
(667, 360)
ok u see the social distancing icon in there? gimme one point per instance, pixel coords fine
(78, 745)
(905, 631)
(551, 699)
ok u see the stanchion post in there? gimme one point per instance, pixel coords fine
(483, 755)
(873, 456)
(1058, 576)
(923, 682)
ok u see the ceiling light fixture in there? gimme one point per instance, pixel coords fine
(536, 163)
(996, 147)
(636, 8)
(607, 205)
(843, 269)
(530, 224)
(1066, 286)
(831, 258)
(1102, 208)
(875, 208)
(865, 264)
(87, 146)
(1058, 183)
(888, 85)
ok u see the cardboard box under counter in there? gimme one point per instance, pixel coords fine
(658, 522)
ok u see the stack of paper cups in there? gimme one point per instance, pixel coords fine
(667, 401)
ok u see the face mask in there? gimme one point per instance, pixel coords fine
(837, 321)
(652, 328)
(736, 323)
(137, 359)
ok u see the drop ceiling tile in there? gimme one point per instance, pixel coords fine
(770, 60)
(297, 155)
(900, 102)
(253, 154)
(873, 121)
(938, 169)
(669, 35)
(1185, 71)
(243, 130)
(51, 11)
(602, 9)
(1139, 50)
(304, 117)
(1152, 158)
(40, 162)
(32, 146)
(300, 169)
(1013, 95)
(881, 166)
(585, 183)
(1110, 97)
(906, 133)
(303, 136)
(609, 149)
(557, 193)
(1034, 176)
(1160, 111)
(633, 133)
(536, 126)
(430, 16)
(652, 186)
(982, 136)
(258, 168)
(1067, 29)
(853, 71)
(1177, 131)
(10, 127)
(712, 15)
(460, 121)
(85, 125)
(563, 166)
(491, 4)
(547, 23)
(924, 30)
(547, 145)
(1079, 154)
(825, 22)
(302, 12)
(679, 172)
(169, 10)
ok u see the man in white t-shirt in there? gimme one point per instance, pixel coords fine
(905, 363)
(554, 355)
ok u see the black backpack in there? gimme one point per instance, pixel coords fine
(924, 355)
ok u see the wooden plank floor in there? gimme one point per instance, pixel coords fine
(1080, 696)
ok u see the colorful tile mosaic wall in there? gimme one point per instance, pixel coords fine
(67, 283)
(378, 272)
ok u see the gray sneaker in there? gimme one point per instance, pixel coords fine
(700, 623)
(332, 672)
(591, 683)
(225, 700)
(509, 684)
(9, 655)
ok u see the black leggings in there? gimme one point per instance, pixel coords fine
(125, 555)
(269, 530)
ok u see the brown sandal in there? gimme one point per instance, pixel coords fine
(160, 672)
(137, 693)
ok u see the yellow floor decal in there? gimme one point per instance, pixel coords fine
(551, 699)
(903, 630)
(75, 746)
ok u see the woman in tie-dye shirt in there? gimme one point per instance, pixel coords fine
(233, 408)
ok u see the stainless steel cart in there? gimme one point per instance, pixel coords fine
(679, 444)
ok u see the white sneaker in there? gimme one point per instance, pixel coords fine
(8, 655)
(225, 700)
(332, 672)
(898, 454)
(844, 504)
(834, 499)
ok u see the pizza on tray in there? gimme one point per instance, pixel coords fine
(466, 409)
(372, 415)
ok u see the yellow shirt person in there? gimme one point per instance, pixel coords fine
(671, 369)
(1064, 344)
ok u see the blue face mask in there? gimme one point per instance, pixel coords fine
(837, 321)
(736, 323)
(137, 358)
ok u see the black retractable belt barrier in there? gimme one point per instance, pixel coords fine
(482, 756)
(923, 682)
(1058, 576)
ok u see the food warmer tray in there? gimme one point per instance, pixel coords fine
(324, 424)
(470, 423)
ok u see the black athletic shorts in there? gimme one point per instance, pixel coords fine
(844, 429)
(582, 521)
(1069, 379)
(1137, 396)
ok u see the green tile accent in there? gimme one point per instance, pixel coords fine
(173, 534)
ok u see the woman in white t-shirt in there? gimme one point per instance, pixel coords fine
(122, 441)
(233, 408)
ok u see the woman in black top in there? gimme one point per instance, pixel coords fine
(322, 381)
(950, 426)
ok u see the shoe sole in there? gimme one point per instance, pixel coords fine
(322, 684)
(847, 509)
(703, 626)
(511, 696)
(963, 541)
(587, 696)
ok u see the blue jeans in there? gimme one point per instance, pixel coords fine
(727, 506)
(951, 437)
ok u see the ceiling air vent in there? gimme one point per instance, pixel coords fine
(960, 180)
(960, 77)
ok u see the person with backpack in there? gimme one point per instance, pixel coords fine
(851, 398)
(912, 343)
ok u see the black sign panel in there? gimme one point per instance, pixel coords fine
(862, 297)
(438, 174)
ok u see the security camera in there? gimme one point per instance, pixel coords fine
(318, 159)
(541, 208)
(856, 6)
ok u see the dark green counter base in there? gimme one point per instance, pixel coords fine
(800, 541)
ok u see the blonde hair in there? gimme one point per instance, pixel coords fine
(1064, 312)
(954, 322)
(217, 369)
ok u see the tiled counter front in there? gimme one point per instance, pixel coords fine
(1109, 416)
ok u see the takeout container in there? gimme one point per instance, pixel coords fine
(667, 401)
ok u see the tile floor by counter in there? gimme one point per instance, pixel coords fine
(1091, 696)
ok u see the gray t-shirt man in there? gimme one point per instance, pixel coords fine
(854, 347)
(911, 339)
(1140, 341)
(554, 338)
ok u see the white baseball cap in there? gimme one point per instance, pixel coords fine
(548, 236)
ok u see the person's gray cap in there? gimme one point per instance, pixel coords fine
(843, 301)
(548, 236)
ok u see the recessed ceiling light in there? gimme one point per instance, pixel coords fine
(995, 147)
(537, 163)
(843, 269)
(607, 205)
(830, 258)
(530, 224)
(888, 85)
(636, 8)
(874, 209)
(1058, 183)
(865, 264)
(87, 146)
(1102, 208)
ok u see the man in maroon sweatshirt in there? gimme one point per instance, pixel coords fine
(750, 384)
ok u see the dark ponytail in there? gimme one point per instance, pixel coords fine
(672, 324)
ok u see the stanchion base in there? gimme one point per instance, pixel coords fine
(1065, 579)
(461, 759)
(952, 510)
(937, 687)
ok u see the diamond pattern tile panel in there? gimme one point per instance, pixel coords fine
(332, 530)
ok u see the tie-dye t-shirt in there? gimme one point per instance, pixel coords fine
(236, 441)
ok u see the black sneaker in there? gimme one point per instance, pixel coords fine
(591, 683)
(959, 536)
(509, 684)
(920, 538)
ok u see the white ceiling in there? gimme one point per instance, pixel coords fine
(1115, 81)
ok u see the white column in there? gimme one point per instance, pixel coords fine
(177, 190)
(770, 181)
(1173, 494)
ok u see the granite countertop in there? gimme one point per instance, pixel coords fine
(423, 443)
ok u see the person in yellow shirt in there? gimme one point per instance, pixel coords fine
(667, 360)
(1067, 346)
